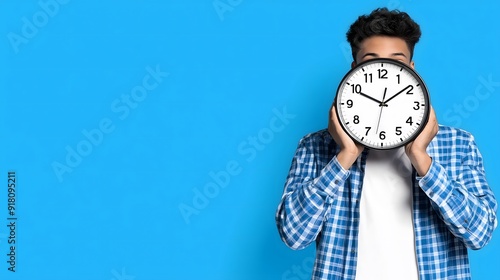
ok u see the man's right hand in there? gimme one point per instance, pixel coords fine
(349, 150)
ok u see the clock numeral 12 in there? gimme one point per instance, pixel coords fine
(382, 73)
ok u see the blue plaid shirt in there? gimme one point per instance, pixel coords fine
(453, 207)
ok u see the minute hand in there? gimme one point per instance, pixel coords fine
(401, 91)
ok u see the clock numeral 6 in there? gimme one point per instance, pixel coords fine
(382, 135)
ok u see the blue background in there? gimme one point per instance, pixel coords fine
(233, 68)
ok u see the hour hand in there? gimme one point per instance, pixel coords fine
(369, 97)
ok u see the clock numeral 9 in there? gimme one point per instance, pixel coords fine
(350, 103)
(356, 119)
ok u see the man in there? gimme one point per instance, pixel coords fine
(408, 213)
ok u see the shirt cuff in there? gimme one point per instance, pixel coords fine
(332, 177)
(434, 183)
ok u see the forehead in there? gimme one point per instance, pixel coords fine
(383, 46)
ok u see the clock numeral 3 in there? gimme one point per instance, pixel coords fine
(417, 105)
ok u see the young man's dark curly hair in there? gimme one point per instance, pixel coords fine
(382, 22)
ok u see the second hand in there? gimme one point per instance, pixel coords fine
(382, 105)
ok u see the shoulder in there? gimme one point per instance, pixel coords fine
(318, 137)
(451, 141)
(453, 134)
(318, 142)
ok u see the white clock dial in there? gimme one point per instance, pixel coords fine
(382, 104)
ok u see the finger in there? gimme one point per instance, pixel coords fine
(335, 119)
(435, 126)
(432, 114)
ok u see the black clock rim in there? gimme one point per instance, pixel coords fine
(420, 80)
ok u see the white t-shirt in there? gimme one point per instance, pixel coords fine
(386, 248)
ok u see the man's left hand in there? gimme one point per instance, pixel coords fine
(416, 150)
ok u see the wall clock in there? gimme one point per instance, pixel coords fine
(382, 103)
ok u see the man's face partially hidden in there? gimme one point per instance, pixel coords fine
(383, 47)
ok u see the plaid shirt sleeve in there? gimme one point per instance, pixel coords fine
(460, 194)
(309, 191)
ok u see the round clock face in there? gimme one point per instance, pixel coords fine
(382, 104)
